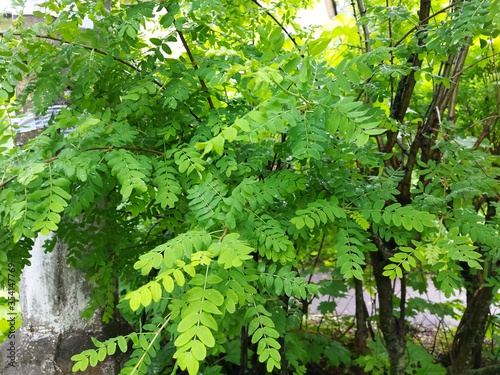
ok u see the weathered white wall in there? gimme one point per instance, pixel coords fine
(52, 296)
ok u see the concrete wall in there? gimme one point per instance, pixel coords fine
(52, 296)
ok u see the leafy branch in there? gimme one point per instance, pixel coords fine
(110, 148)
(144, 355)
(423, 22)
(88, 48)
(277, 22)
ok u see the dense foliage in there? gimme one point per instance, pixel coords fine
(212, 154)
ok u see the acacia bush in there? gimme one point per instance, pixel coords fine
(204, 186)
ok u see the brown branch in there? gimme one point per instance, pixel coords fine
(277, 22)
(459, 64)
(96, 50)
(405, 184)
(468, 329)
(406, 85)
(492, 116)
(224, 234)
(316, 259)
(421, 23)
(390, 326)
(54, 158)
(10, 179)
(366, 30)
(402, 305)
(485, 132)
(363, 328)
(109, 148)
(195, 66)
(441, 102)
(475, 63)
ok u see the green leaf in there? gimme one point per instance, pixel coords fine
(185, 337)
(81, 365)
(122, 344)
(143, 342)
(111, 347)
(210, 307)
(101, 354)
(156, 291)
(199, 350)
(214, 296)
(93, 360)
(146, 297)
(188, 322)
(168, 283)
(135, 300)
(208, 321)
(214, 279)
(242, 124)
(179, 277)
(218, 144)
(205, 336)
(187, 361)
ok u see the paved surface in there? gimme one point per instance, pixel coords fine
(345, 305)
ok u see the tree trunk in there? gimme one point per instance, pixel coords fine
(467, 344)
(468, 330)
(52, 296)
(392, 330)
(361, 335)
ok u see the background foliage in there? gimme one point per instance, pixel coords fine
(203, 187)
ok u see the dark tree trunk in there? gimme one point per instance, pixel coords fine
(407, 83)
(477, 349)
(467, 344)
(391, 327)
(244, 350)
(361, 335)
(469, 330)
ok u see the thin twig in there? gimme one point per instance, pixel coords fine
(277, 22)
(420, 23)
(109, 148)
(391, 51)
(195, 66)
(473, 64)
(10, 179)
(96, 50)
(366, 30)
(224, 234)
(54, 158)
(484, 133)
(317, 256)
(144, 355)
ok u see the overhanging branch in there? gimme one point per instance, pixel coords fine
(54, 158)
(96, 50)
(277, 22)
(195, 66)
